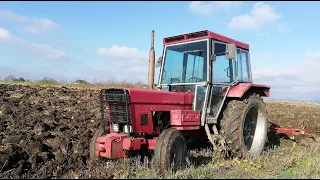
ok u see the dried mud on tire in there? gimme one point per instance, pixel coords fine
(45, 131)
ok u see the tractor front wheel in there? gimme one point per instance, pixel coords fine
(245, 125)
(170, 151)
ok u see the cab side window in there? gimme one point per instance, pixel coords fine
(224, 70)
(243, 66)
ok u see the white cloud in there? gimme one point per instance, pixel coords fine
(132, 63)
(98, 73)
(313, 56)
(138, 69)
(261, 56)
(207, 8)
(30, 74)
(46, 51)
(122, 52)
(37, 49)
(6, 36)
(260, 14)
(107, 73)
(225, 5)
(197, 7)
(28, 24)
(283, 28)
(127, 60)
(300, 82)
(261, 34)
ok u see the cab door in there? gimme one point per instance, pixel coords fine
(223, 74)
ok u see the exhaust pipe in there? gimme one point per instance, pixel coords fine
(151, 63)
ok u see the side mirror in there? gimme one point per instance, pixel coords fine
(231, 51)
(159, 62)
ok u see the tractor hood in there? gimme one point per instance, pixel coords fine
(143, 96)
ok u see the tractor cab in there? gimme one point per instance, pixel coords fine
(205, 64)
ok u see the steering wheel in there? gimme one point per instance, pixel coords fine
(197, 79)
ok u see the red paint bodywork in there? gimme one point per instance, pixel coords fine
(240, 89)
(112, 145)
(143, 96)
(179, 104)
(182, 117)
(281, 130)
(145, 101)
(185, 119)
(210, 35)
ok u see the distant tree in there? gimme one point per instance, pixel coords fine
(20, 79)
(48, 80)
(10, 78)
(80, 81)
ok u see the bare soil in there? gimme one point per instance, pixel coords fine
(45, 132)
(295, 114)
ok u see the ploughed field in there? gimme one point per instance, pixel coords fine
(45, 132)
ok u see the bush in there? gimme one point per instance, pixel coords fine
(48, 80)
(12, 78)
(20, 79)
(80, 81)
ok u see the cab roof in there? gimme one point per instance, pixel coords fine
(203, 35)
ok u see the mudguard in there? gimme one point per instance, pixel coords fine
(240, 89)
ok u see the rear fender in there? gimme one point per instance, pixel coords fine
(240, 89)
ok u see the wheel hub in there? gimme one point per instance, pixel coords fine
(250, 126)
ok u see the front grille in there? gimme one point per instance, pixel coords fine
(115, 105)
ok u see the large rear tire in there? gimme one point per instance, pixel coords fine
(245, 126)
(170, 149)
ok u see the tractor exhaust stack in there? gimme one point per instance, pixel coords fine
(151, 63)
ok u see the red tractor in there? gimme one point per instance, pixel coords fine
(205, 90)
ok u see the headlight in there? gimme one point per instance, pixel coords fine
(115, 127)
(127, 129)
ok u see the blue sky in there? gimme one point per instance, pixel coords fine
(98, 41)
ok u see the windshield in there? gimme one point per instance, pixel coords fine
(185, 63)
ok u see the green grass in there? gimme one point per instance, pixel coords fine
(290, 161)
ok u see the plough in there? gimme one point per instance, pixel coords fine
(275, 128)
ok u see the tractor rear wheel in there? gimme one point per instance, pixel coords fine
(170, 151)
(97, 134)
(245, 125)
